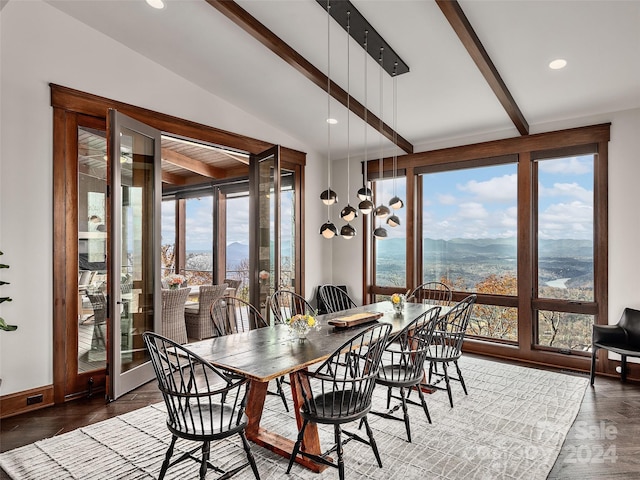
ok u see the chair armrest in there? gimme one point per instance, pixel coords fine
(609, 334)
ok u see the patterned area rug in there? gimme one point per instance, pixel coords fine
(510, 426)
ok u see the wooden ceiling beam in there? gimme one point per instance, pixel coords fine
(173, 179)
(192, 164)
(458, 20)
(252, 26)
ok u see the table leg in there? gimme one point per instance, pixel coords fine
(272, 441)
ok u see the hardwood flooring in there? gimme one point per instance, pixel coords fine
(602, 442)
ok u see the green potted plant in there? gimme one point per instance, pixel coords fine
(3, 324)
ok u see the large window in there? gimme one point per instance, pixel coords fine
(469, 239)
(391, 252)
(520, 222)
(565, 250)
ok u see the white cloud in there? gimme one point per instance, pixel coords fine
(567, 166)
(472, 210)
(446, 199)
(566, 220)
(496, 189)
(571, 190)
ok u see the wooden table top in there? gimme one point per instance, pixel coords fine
(268, 353)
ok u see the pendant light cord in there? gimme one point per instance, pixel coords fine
(328, 104)
(381, 161)
(348, 108)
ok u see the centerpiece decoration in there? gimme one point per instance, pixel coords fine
(174, 281)
(398, 300)
(300, 325)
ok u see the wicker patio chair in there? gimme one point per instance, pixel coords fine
(340, 390)
(198, 319)
(173, 316)
(204, 404)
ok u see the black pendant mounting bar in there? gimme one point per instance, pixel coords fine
(357, 28)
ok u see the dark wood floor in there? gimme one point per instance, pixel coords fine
(602, 444)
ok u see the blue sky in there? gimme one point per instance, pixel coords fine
(199, 221)
(469, 203)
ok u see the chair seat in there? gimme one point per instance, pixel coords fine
(619, 348)
(440, 353)
(397, 376)
(337, 407)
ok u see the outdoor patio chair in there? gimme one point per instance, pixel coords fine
(198, 318)
(173, 318)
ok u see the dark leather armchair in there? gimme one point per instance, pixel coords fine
(623, 339)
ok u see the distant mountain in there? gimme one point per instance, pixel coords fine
(236, 253)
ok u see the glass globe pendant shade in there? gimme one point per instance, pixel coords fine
(382, 211)
(365, 193)
(347, 232)
(328, 230)
(329, 197)
(393, 221)
(348, 213)
(380, 233)
(396, 203)
(366, 207)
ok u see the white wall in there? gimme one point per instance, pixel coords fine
(40, 45)
(624, 207)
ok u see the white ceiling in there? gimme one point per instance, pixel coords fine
(443, 95)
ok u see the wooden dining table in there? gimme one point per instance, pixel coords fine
(268, 353)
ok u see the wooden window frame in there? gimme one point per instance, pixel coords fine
(527, 149)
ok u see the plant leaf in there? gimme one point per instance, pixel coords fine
(5, 327)
(2, 282)
(5, 299)
(2, 265)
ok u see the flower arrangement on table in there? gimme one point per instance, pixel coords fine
(398, 300)
(174, 280)
(299, 325)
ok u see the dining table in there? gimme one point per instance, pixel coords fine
(271, 352)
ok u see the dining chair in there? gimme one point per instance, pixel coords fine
(446, 344)
(335, 299)
(174, 324)
(198, 319)
(340, 390)
(434, 293)
(99, 305)
(204, 403)
(231, 315)
(285, 304)
(403, 365)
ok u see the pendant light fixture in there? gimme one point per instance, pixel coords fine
(395, 202)
(365, 194)
(348, 213)
(382, 210)
(328, 197)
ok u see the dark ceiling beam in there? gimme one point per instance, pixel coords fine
(458, 20)
(251, 25)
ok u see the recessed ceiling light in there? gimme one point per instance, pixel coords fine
(332, 121)
(156, 3)
(557, 64)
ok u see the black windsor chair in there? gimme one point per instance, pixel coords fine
(403, 365)
(340, 391)
(204, 403)
(335, 299)
(233, 315)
